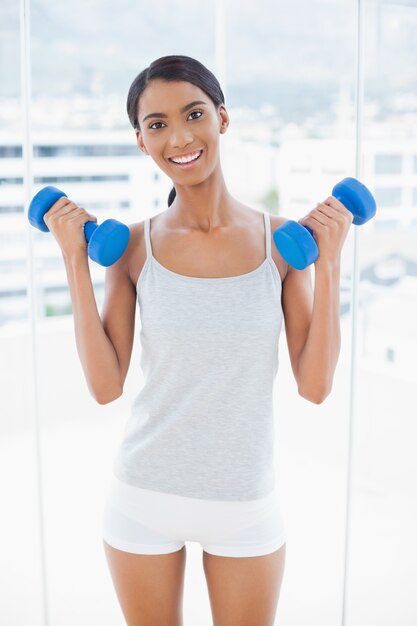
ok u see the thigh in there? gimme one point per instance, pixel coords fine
(146, 566)
(149, 587)
(245, 528)
(244, 590)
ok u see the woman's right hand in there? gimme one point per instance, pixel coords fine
(66, 220)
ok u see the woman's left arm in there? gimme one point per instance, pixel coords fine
(330, 222)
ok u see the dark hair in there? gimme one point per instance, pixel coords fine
(173, 67)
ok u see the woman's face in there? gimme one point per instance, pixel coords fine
(171, 131)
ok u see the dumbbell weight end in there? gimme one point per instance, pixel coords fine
(306, 250)
(107, 242)
(347, 191)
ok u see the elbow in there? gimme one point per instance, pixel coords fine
(317, 399)
(316, 396)
(106, 399)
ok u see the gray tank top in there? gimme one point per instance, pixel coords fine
(202, 425)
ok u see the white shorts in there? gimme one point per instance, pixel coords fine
(142, 521)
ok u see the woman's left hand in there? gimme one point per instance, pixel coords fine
(330, 222)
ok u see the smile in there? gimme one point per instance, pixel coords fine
(188, 160)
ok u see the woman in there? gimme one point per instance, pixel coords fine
(196, 462)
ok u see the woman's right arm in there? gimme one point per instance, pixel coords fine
(104, 367)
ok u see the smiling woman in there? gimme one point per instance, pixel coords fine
(300, 125)
(197, 79)
(199, 467)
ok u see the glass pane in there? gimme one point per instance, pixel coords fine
(20, 547)
(290, 93)
(383, 546)
(291, 86)
(85, 56)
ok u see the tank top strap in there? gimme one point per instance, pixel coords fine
(148, 238)
(267, 235)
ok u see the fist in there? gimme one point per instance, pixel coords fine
(330, 221)
(66, 220)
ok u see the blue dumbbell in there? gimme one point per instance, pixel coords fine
(295, 241)
(106, 243)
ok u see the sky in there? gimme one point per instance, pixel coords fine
(100, 45)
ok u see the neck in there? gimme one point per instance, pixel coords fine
(202, 207)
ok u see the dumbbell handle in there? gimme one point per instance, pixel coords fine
(89, 228)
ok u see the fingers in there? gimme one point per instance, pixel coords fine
(338, 206)
(320, 215)
(59, 205)
(325, 214)
(330, 211)
(76, 213)
(335, 203)
(65, 207)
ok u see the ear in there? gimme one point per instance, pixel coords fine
(139, 141)
(224, 119)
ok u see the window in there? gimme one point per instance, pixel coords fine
(288, 72)
(388, 196)
(85, 151)
(388, 163)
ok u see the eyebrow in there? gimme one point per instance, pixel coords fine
(183, 110)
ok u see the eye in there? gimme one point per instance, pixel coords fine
(152, 126)
(198, 111)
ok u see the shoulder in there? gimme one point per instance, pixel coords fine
(137, 231)
(136, 250)
(135, 253)
(275, 222)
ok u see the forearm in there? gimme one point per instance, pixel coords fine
(97, 354)
(318, 359)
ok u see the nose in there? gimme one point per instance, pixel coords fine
(180, 137)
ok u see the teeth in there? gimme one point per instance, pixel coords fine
(192, 157)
